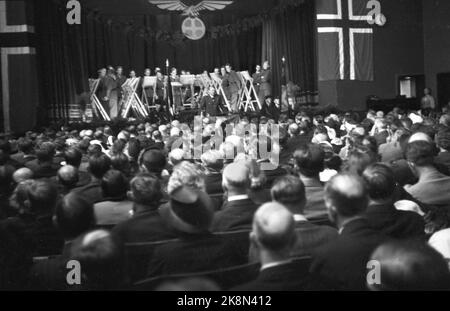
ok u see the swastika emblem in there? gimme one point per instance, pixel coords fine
(193, 28)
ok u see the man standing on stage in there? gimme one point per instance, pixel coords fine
(265, 88)
(210, 105)
(110, 101)
(233, 82)
(121, 79)
(257, 79)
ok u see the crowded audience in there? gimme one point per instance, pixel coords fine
(298, 202)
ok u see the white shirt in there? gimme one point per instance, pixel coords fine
(275, 264)
(237, 197)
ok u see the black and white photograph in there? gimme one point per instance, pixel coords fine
(225, 151)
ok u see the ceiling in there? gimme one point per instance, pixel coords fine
(129, 8)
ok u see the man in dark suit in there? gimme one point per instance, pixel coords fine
(344, 260)
(238, 210)
(273, 237)
(146, 223)
(190, 212)
(233, 81)
(382, 214)
(213, 163)
(210, 104)
(265, 88)
(43, 166)
(290, 191)
(25, 153)
(257, 79)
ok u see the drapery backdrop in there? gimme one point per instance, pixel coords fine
(70, 55)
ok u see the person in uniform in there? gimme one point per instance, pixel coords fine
(147, 88)
(265, 88)
(257, 79)
(210, 104)
(176, 91)
(233, 82)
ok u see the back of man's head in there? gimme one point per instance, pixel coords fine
(310, 160)
(409, 266)
(99, 165)
(443, 139)
(68, 176)
(420, 153)
(346, 196)
(154, 161)
(273, 228)
(380, 181)
(289, 190)
(42, 196)
(25, 145)
(45, 152)
(146, 190)
(213, 160)
(74, 216)
(73, 157)
(101, 258)
(114, 184)
(236, 177)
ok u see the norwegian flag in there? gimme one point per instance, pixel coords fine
(345, 40)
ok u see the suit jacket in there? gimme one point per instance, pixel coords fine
(394, 223)
(266, 79)
(92, 192)
(22, 158)
(144, 226)
(315, 206)
(210, 105)
(232, 82)
(311, 237)
(343, 261)
(42, 170)
(290, 276)
(195, 253)
(432, 188)
(213, 182)
(235, 215)
(443, 160)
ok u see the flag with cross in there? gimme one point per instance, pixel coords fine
(345, 40)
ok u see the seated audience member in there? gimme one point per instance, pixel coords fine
(381, 132)
(408, 266)
(273, 237)
(213, 163)
(73, 157)
(41, 200)
(238, 209)
(121, 162)
(15, 256)
(146, 224)
(190, 213)
(154, 161)
(5, 152)
(101, 259)
(25, 153)
(67, 178)
(43, 166)
(88, 152)
(115, 206)
(392, 150)
(98, 166)
(440, 241)
(176, 156)
(381, 213)
(73, 217)
(432, 187)
(343, 261)
(309, 160)
(22, 174)
(290, 192)
(443, 142)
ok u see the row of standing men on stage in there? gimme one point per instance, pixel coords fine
(110, 91)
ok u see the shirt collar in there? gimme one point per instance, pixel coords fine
(237, 197)
(345, 223)
(299, 218)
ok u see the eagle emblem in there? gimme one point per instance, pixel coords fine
(192, 10)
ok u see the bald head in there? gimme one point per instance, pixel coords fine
(22, 174)
(420, 137)
(274, 227)
(236, 177)
(346, 195)
(68, 176)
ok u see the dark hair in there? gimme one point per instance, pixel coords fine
(42, 195)
(421, 153)
(146, 189)
(411, 265)
(380, 181)
(348, 194)
(94, 149)
(73, 157)
(74, 215)
(121, 163)
(310, 159)
(154, 161)
(443, 139)
(134, 148)
(99, 165)
(25, 145)
(358, 160)
(114, 184)
(289, 190)
(45, 152)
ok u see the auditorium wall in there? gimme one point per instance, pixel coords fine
(436, 39)
(398, 50)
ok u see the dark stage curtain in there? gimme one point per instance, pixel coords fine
(291, 34)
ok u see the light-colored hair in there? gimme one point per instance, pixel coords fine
(186, 174)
